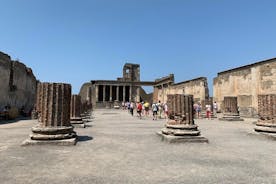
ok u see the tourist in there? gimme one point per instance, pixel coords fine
(160, 109)
(123, 105)
(131, 108)
(166, 110)
(198, 110)
(139, 109)
(146, 106)
(208, 111)
(215, 108)
(154, 111)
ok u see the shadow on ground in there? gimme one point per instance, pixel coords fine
(84, 138)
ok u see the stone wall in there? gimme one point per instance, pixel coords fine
(246, 83)
(197, 87)
(18, 84)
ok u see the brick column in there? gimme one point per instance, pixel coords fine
(54, 111)
(75, 112)
(180, 126)
(231, 111)
(267, 114)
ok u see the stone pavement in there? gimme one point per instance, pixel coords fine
(119, 149)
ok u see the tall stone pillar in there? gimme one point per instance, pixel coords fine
(231, 110)
(130, 93)
(110, 96)
(54, 110)
(97, 93)
(181, 127)
(138, 93)
(117, 93)
(267, 114)
(124, 93)
(75, 112)
(104, 93)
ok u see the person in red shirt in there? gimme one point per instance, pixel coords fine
(139, 110)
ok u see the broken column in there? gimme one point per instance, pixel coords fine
(75, 112)
(231, 109)
(267, 114)
(53, 106)
(181, 127)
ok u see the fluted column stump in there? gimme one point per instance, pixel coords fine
(231, 110)
(181, 127)
(267, 114)
(53, 106)
(75, 112)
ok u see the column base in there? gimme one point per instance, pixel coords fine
(182, 139)
(231, 117)
(266, 127)
(63, 135)
(177, 133)
(63, 142)
(77, 122)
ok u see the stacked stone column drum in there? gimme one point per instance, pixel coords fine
(75, 112)
(231, 111)
(267, 114)
(53, 107)
(181, 127)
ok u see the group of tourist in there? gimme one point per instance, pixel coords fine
(210, 110)
(159, 110)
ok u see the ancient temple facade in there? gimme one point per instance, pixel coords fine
(246, 83)
(106, 93)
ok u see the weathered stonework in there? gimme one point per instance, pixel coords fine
(165, 86)
(53, 107)
(180, 126)
(75, 112)
(230, 109)
(267, 114)
(18, 84)
(246, 83)
(108, 93)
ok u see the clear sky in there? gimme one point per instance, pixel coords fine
(75, 41)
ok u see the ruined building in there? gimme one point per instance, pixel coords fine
(165, 86)
(104, 93)
(246, 83)
(17, 84)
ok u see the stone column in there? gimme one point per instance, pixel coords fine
(180, 126)
(231, 112)
(110, 96)
(75, 112)
(54, 122)
(117, 93)
(231, 105)
(103, 93)
(124, 93)
(97, 93)
(138, 93)
(130, 93)
(267, 114)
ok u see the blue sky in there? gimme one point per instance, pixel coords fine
(75, 41)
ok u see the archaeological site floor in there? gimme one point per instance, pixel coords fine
(118, 149)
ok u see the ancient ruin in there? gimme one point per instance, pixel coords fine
(166, 86)
(267, 114)
(181, 127)
(18, 85)
(246, 83)
(53, 106)
(75, 112)
(107, 93)
(230, 109)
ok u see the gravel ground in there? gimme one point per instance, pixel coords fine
(118, 148)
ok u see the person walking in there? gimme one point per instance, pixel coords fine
(215, 109)
(139, 110)
(154, 111)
